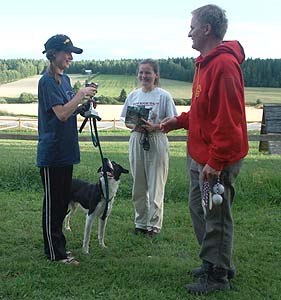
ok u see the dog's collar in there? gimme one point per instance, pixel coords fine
(103, 195)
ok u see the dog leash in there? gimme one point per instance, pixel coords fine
(96, 143)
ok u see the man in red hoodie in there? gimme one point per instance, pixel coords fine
(217, 144)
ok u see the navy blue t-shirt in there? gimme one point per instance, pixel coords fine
(58, 141)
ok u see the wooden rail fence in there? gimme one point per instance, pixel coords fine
(120, 138)
(7, 123)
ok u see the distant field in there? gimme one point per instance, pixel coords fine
(111, 85)
(266, 95)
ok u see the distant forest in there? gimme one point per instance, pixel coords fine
(257, 72)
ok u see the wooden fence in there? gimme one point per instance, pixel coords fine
(120, 138)
(22, 123)
(7, 123)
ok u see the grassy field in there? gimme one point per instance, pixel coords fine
(135, 267)
(111, 85)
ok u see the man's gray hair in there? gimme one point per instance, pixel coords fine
(213, 15)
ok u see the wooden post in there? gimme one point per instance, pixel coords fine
(263, 145)
(271, 124)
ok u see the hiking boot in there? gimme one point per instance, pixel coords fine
(213, 280)
(199, 271)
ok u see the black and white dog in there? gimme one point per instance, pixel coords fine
(92, 199)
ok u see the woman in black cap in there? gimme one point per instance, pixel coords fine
(58, 147)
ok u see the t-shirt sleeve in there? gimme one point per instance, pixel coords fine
(171, 110)
(51, 95)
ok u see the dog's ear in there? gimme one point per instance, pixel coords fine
(99, 170)
(125, 171)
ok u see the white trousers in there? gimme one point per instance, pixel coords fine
(150, 171)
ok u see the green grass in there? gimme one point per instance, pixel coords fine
(134, 267)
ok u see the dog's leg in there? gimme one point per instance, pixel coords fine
(87, 233)
(72, 208)
(102, 225)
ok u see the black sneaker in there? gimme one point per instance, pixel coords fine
(198, 272)
(210, 282)
(152, 234)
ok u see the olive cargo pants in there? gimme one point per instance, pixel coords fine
(214, 228)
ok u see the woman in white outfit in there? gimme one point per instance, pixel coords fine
(149, 148)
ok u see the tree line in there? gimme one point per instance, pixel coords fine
(15, 69)
(257, 72)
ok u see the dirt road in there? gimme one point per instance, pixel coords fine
(111, 112)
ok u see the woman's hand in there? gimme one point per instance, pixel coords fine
(87, 91)
(150, 126)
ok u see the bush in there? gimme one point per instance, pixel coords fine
(123, 96)
(77, 86)
(26, 98)
(3, 100)
(180, 101)
(107, 100)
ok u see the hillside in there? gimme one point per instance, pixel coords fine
(111, 85)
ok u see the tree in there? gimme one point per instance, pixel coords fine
(123, 96)
(77, 86)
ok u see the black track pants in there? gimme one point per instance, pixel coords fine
(57, 188)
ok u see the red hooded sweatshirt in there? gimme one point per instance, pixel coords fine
(216, 121)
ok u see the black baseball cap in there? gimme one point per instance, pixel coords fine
(61, 42)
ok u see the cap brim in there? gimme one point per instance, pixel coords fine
(73, 49)
(69, 49)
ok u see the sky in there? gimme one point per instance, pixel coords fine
(119, 29)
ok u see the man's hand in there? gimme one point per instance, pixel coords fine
(168, 124)
(208, 173)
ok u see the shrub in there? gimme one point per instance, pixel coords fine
(77, 86)
(107, 100)
(26, 98)
(180, 101)
(122, 96)
(3, 100)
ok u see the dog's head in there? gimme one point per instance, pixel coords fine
(112, 169)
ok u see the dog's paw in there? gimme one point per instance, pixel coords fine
(102, 245)
(67, 228)
(85, 250)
